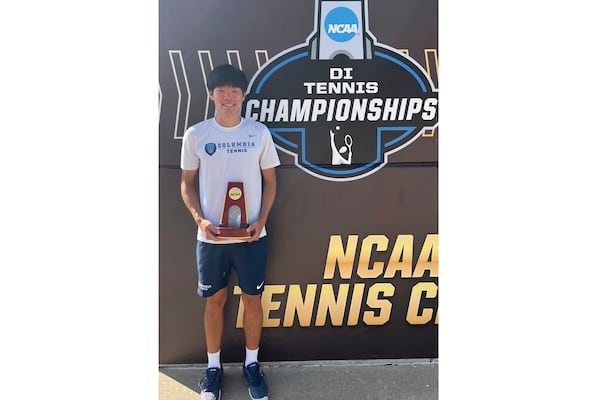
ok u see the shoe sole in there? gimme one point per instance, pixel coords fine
(257, 398)
(218, 398)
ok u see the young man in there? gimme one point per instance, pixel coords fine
(223, 149)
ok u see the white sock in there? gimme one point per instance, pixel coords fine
(251, 356)
(214, 359)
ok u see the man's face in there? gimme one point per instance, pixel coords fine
(228, 100)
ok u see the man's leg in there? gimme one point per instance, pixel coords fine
(213, 320)
(250, 264)
(253, 319)
(213, 273)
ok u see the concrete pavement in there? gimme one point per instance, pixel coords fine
(411, 379)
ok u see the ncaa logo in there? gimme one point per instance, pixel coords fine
(341, 24)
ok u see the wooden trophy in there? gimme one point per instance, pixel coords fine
(234, 220)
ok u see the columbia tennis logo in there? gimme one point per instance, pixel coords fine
(210, 148)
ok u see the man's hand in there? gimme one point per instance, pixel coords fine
(255, 229)
(210, 231)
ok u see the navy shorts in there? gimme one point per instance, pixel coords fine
(215, 262)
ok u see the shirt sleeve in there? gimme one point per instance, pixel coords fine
(269, 157)
(189, 155)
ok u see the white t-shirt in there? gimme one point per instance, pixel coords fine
(236, 154)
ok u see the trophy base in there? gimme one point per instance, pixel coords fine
(233, 233)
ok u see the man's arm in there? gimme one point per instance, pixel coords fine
(191, 199)
(268, 198)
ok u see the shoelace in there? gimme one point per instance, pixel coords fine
(211, 380)
(256, 375)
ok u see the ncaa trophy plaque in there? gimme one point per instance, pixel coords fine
(234, 220)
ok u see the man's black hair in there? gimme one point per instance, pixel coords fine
(227, 75)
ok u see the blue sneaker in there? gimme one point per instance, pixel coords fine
(255, 379)
(211, 384)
